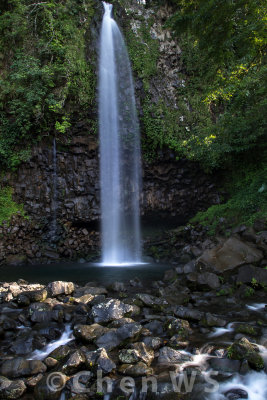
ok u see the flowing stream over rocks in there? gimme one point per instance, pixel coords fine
(166, 340)
(65, 338)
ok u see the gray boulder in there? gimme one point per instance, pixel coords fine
(229, 255)
(249, 272)
(100, 359)
(18, 367)
(115, 337)
(59, 287)
(151, 301)
(208, 280)
(112, 310)
(50, 387)
(188, 313)
(73, 363)
(139, 369)
(11, 389)
(137, 352)
(169, 356)
(88, 333)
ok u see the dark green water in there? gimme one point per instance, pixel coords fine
(82, 273)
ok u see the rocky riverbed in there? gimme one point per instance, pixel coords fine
(198, 332)
(179, 338)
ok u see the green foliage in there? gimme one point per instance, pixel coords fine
(63, 126)
(247, 330)
(143, 51)
(44, 71)
(247, 202)
(161, 125)
(225, 29)
(249, 292)
(7, 206)
(222, 102)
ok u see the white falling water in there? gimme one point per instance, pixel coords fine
(119, 149)
(65, 338)
(53, 231)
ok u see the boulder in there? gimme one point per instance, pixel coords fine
(104, 362)
(11, 389)
(128, 356)
(85, 299)
(46, 316)
(50, 386)
(139, 369)
(120, 322)
(146, 355)
(18, 367)
(33, 380)
(115, 337)
(88, 333)
(229, 255)
(190, 267)
(151, 301)
(33, 295)
(95, 291)
(208, 280)
(236, 394)
(60, 352)
(98, 359)
(117, 287)
(23, 300)
(137, 352)
(155, 327)
(247, 273)
(174, 294)
(188, 313)
(169, 356)
(59, 287)
(180, 327)
(23, 344)
(50, 362)
(112, 310)
(213, 320)
(153, 342)
(73, 363)
(243, 349)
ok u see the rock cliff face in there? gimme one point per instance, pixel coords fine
(170, 188)
(177, 188)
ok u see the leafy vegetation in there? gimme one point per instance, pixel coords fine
(44, 71)
(47, 78)
(221, 117)
(143, 51)
(7, 206)
(247, 201)
(223, 100)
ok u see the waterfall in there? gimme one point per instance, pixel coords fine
(119, 149)
(53, 231)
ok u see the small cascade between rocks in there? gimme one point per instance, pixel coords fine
(65, 338)
(119, 149)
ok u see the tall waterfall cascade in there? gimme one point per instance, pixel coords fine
(119, 149)
(53, 232)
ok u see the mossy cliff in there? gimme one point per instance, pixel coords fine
(193, 103)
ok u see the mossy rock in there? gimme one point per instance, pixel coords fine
(248, 330)
(243, 349)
